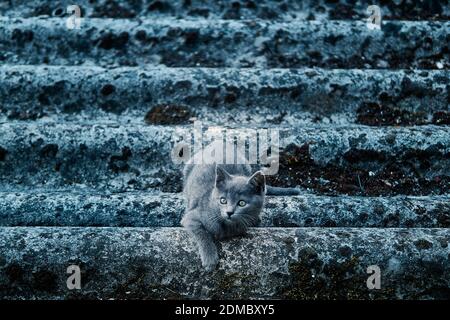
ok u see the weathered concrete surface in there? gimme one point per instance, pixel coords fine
(90, 141)
(245, 9)
(304, 263)
(220, 96)
(225, 43)
(38, 208)
(137, 157)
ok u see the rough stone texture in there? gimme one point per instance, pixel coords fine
(304, 263)
(224, 43)
(239, 9)
(74, 134)
(223, 96)
(137, 157)
(165, 210)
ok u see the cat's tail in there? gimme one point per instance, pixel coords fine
(278, 191)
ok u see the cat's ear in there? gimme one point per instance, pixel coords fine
(258, 181)
(221, 176)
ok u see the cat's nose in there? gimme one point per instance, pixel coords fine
(230, 213)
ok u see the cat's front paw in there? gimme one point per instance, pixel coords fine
(210, 262)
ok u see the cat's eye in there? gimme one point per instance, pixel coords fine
(223, 201)
(241, 203)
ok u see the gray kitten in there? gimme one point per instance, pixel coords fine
(223, 201)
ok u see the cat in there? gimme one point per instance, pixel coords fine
(223, 201)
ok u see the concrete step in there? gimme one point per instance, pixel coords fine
(241, 9)
(356, 160)
(89, 117)
(141, 209)
(160, 263)
(225, 43)
(225, 96)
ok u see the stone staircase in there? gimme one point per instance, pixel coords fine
(88, 119)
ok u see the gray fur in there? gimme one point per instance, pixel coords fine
(278, 191)
(206, 218)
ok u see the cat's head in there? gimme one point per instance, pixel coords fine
(240, 198)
